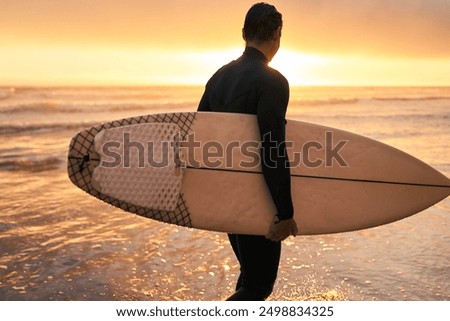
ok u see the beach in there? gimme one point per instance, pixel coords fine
(58, 243)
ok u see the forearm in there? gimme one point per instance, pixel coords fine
(276, 171)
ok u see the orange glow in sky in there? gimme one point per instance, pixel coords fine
(142, 42)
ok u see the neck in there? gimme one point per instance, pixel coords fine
(265, 47)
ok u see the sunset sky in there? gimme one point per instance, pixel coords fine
(146, 42)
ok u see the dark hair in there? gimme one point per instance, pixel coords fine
(261, 21)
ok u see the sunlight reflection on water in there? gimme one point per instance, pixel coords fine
(58, 243)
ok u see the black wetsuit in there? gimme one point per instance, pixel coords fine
(248, 85)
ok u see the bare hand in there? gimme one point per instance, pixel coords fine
(281, 230)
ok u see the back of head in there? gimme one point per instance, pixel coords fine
(261, 21)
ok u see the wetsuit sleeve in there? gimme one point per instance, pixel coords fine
(271, 112)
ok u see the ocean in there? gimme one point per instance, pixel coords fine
(58, 243)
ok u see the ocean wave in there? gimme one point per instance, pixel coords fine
(349, 101)
(39, 108)
(89, 107)
(324, 102)
(41, 128)
(424, 98)
(6, 93)
(30, 164)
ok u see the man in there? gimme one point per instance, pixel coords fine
(248, 85)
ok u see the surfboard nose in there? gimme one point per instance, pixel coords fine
(442, 183)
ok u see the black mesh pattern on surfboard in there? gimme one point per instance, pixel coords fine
(83, 159)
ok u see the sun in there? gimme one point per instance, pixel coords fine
(300, 69)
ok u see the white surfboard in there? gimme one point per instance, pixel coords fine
(202, 170)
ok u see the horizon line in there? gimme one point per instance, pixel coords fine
(154, 85)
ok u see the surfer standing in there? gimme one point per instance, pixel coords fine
(248, 85)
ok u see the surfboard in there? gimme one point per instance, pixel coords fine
(203, 170)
